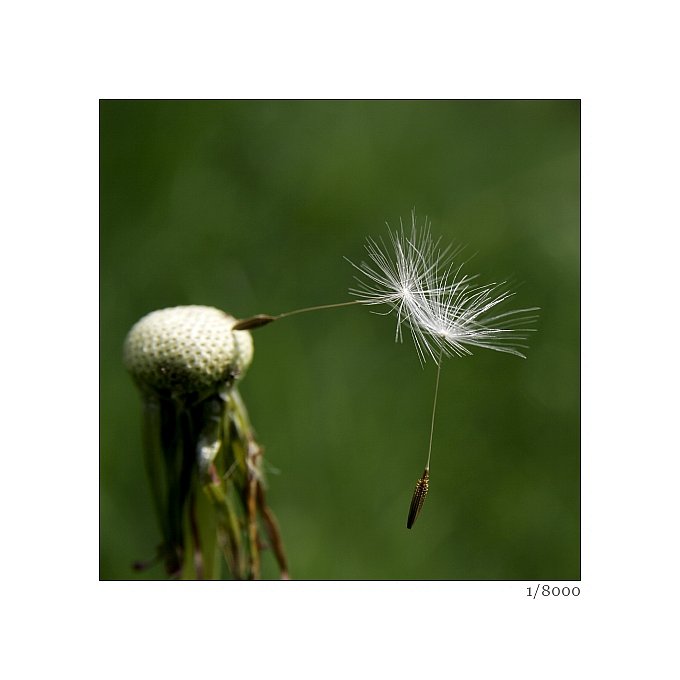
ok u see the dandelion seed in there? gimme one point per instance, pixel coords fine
(419, 494)
(446, 310)
(253, 322)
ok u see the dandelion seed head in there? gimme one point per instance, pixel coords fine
(444, 309)
(187, 349)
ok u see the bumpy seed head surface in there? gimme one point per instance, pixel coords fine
(187, 349)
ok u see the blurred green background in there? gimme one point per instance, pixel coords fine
(250, 206)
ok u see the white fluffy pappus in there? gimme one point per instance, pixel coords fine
(445, 310)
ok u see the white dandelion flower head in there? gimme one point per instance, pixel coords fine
(445, 310)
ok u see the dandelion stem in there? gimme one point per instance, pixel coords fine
(434, 407)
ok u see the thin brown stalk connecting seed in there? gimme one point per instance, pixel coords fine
(263, 319)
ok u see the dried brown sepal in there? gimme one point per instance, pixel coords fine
(272, 527)
(418, 499)
(253, 322)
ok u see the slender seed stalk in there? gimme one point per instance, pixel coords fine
(423, 484)
(264, 319)
(318, 307)
(434, 408)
